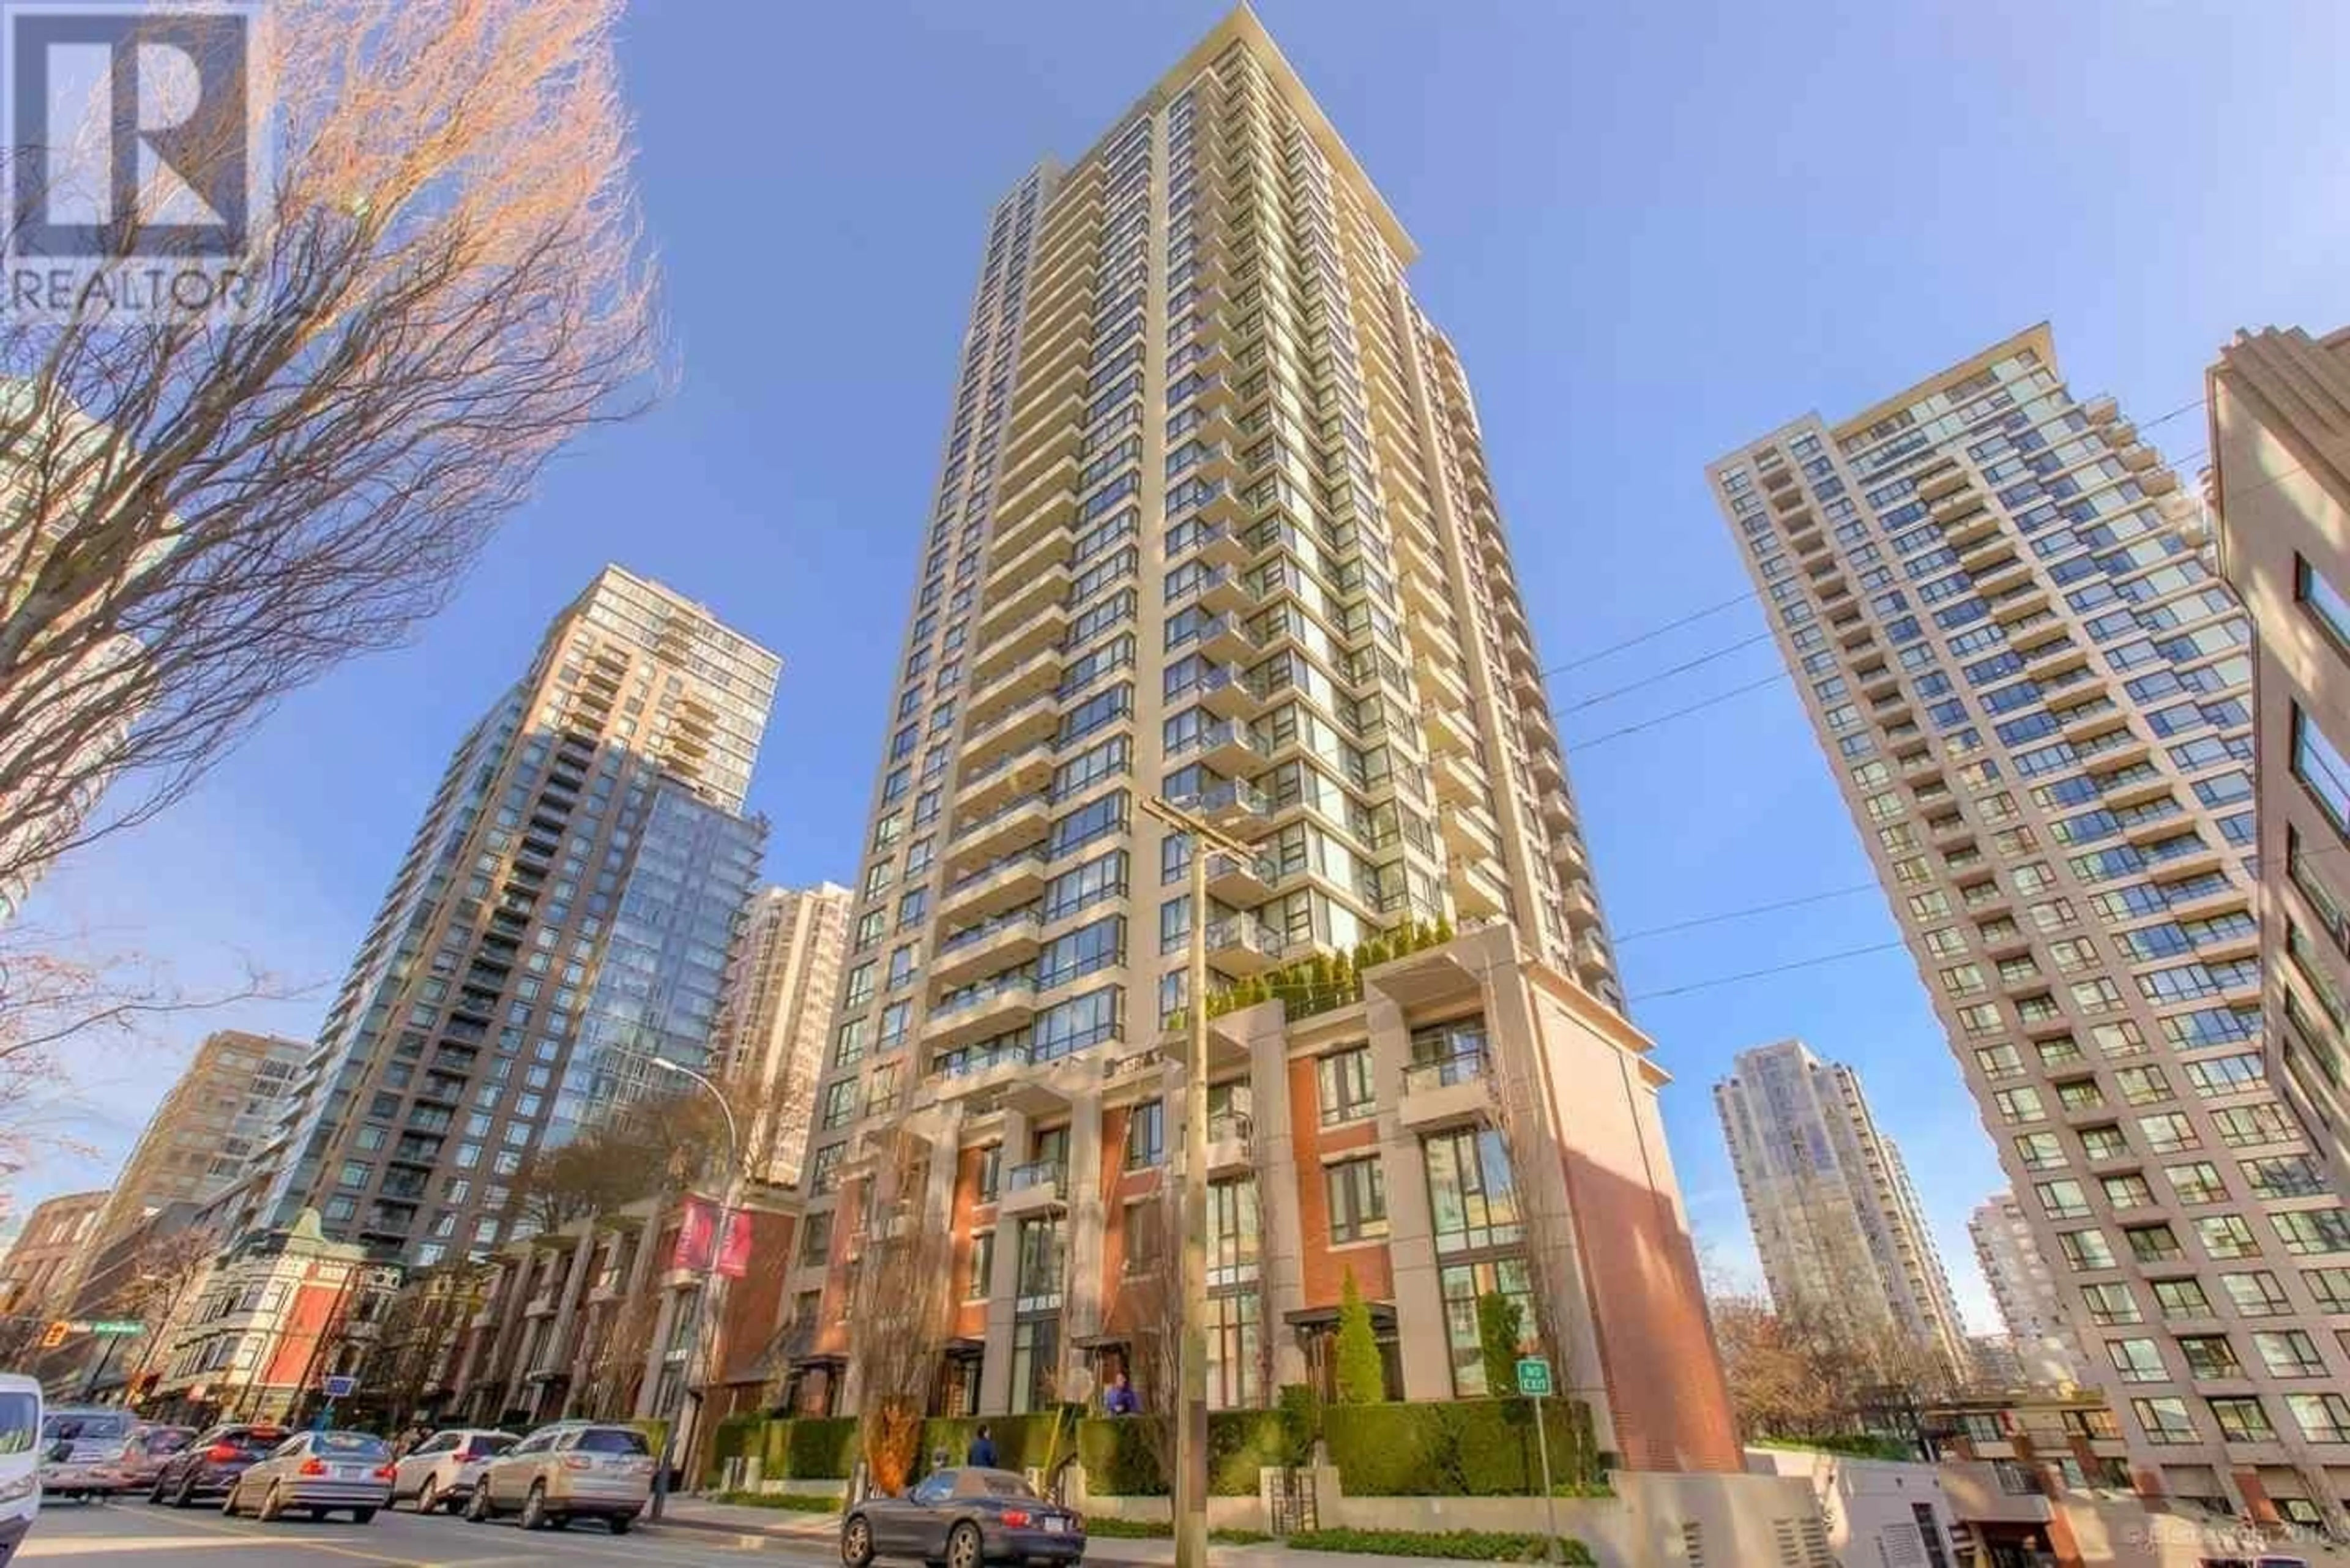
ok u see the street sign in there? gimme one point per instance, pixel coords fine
(118, 1327)
(1534, 1377)
(55, 1335)
(342, 1387)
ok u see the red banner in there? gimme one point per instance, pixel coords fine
(693, 1237)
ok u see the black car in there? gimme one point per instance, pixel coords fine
(964, 1518)
(211, 1463)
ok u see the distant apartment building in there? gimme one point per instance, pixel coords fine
(209, 1130)
(2280, 488)
(1214, 524)
(564, 915)
(280, 1311)
(2035, 699)
(44, 1263)
(2025, 1290)
(1837, 1223)
(774, 1015)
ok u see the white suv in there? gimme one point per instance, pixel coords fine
(440, 1472)
(573, 1469)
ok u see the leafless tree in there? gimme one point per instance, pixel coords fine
(899, 1311)
(159, 1284)
(416, 1339)
(60, 989)
(200, 514)
(1147, 1312)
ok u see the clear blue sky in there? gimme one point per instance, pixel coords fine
(1655, 229)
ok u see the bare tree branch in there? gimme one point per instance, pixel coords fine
(199, 515)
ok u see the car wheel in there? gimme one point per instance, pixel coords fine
(155, 1492)
(964, 1549)
(186, 1496)
(477, 1507)
(228, 1501)
(272, 1506)
(362, 1516)
(857, 1543)
(620, 1523)
(534, 1507)
(429, 1497)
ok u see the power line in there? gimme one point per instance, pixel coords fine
(1601, 739)
(1650, 635)
(1698, 921)
(1721, 980)
(1594, 701)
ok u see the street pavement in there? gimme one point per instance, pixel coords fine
(133, 1534)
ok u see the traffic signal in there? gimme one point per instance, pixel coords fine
(54, 1335)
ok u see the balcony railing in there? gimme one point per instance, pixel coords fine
(1443, 1072)
(1035, 1173)
(994, 867)
(981, 995)
(971, 936)
(962, 1064)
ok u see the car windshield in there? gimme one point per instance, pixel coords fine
(86, 1425)
(613, 1440)
(255, 1438)
(492, 1443)
(16, 1411)
(361, 1443)
(170, 1441)
(999, 1483)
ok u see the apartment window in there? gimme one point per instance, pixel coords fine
(2210, 1356)
(1343, 1081)
(2198, 1182)
(2040, 1151)
(1146, 1134)
(2256, 1295)
(840, 1103)
(2168, 1132)
(1472, 1195)
(824, 1170)
(2227, 1236)
(815, 1239)
(2128, 1191)
(2319, 764)
(2181, 1298)
(2165, 1421)
(2111, 1305)
(2289, 1353)
(991, 1173)
(2242, 1419)
(2086, 1251)
(2310, 1230)
(1464, 1285)
(2322, 1417)
(2103, 1143)
(1357, 1194)
(977, 1280)
(2137, 1361)
(2324, 603)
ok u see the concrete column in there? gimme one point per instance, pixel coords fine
(1281, 1272)
(649, 1390)
(1422, 1344)
(1003, 1281)
(1081, 1191)
(559, 1339)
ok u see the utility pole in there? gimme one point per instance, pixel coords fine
(673, 1417)
(1192, 1357)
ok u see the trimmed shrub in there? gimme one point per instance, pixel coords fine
(1498, 1321)
(1362, 1372)
(789, 1501)
(1116, 1454)
(737, 1436)
(1020, 1440)
(1460, 1448)
(1241, 1443)
(1301, 1416)
(821, 1448)
(1465, 1546)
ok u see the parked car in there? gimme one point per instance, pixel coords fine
(20, 1460)
(77, 1441)
(324, 1473)
(135, 1465)
(964, 1518)
(573, 1469)
(440, 1472)
(211, 1461)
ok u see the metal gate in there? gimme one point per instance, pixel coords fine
(1293, 1504)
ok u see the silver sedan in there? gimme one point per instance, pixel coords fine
(319, 1472)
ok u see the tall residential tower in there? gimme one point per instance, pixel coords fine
(563, 916)
(2033, 697)
(1214, 525)
(2024, 1288)
(775, 1014)
(208, 1131)
(1842, 1235)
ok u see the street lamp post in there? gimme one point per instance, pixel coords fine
(675, 1410)
(1192, 1356)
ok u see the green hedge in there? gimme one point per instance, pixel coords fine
(1466, 1545)
(789, 1501)
(1020, 1441)
(1119, 1462)
(820, 1448)
(1856, 1445)
(1460, 1448)
(737, 1436)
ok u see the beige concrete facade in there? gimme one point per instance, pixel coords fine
(209, 1130)
(2034, 697)
(2023, 1287)
(45, 1260)
(565, 913)
(2280, 485)
(1214, 525)
(774, 1015)
(1836, 1220)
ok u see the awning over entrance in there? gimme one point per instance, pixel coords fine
(1308, 1319)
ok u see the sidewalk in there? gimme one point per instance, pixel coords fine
(824, 1529)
